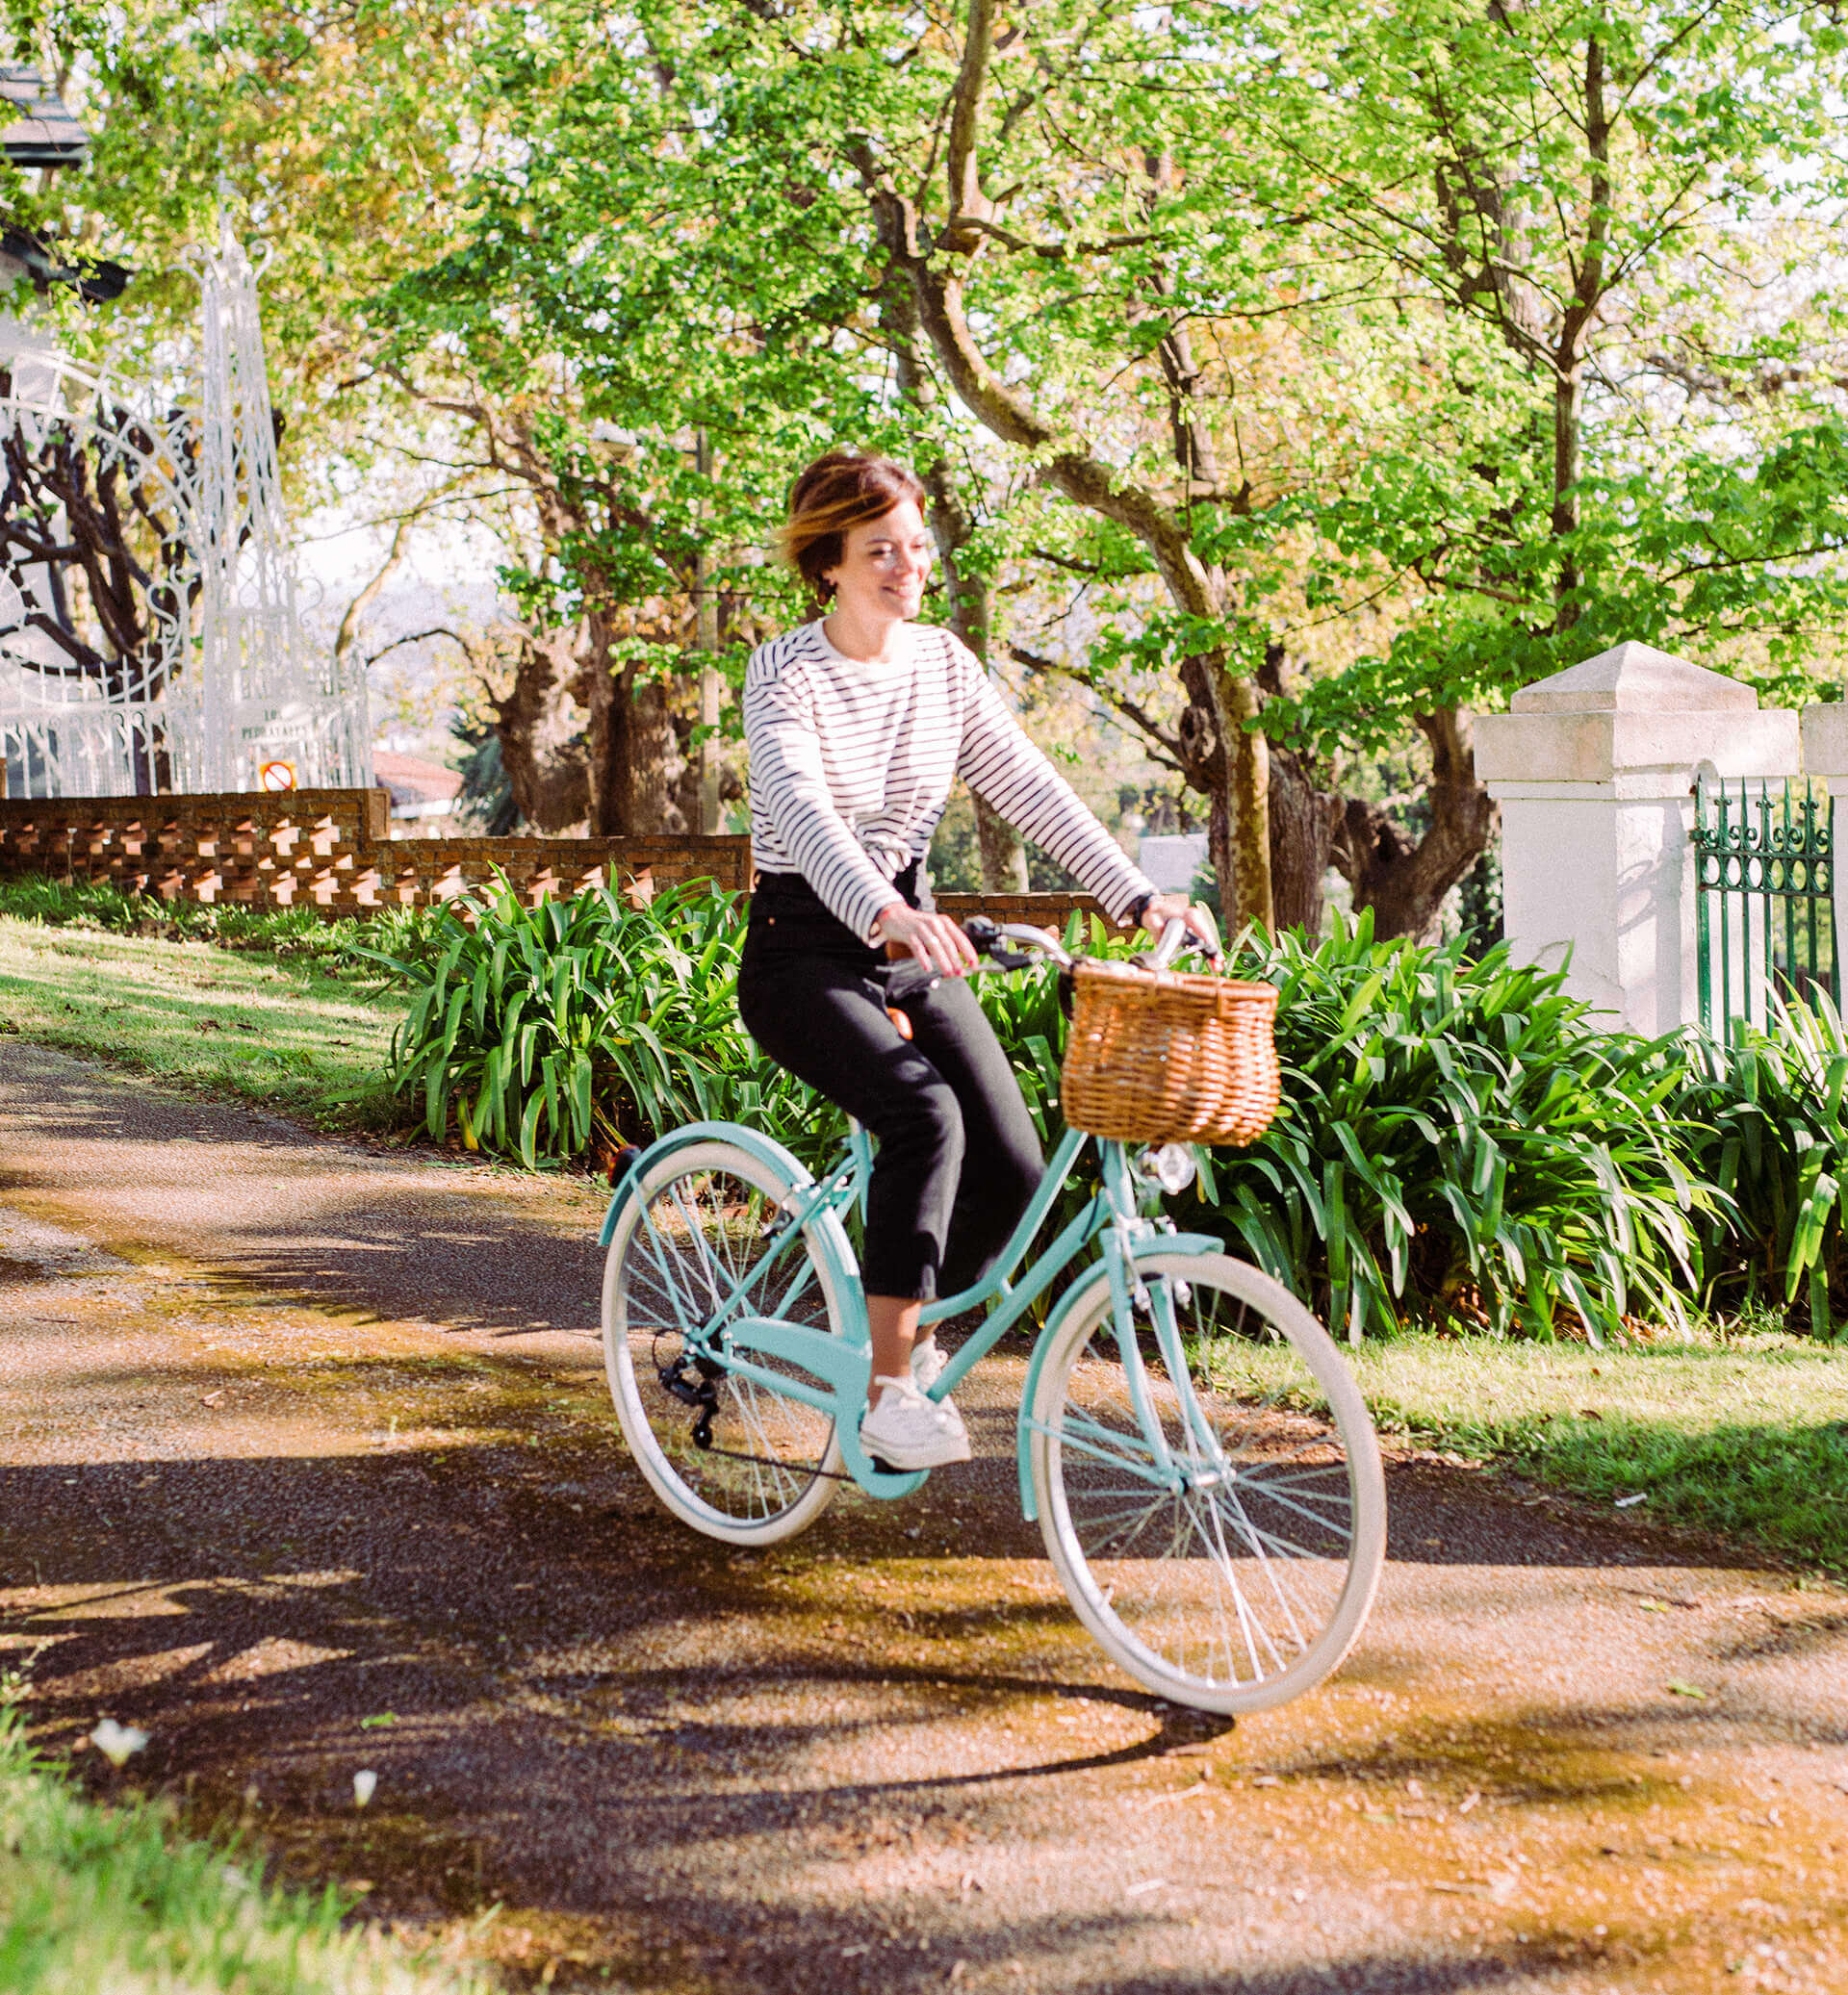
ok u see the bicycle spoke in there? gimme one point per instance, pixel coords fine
(1240, 1579)
(704, 1241)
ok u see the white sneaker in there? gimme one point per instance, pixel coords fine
(908, 1431)
(927, 1359)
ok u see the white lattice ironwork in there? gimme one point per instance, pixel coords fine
(156, 643)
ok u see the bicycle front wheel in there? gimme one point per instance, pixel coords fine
(1231, 1566)
(732, 1458)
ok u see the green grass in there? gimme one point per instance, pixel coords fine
(282, 1031)
(113, 1901)
(1742, 1433)
(302, 934)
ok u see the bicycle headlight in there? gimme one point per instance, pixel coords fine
(1171, 1166)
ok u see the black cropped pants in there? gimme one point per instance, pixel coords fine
(958, 1159)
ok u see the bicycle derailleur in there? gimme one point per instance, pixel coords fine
(694, 1381)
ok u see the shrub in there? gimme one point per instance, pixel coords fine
(578, 1026)
(1767, 1129)
(1457, 1141)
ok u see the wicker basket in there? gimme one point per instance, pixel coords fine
(1168, 1057)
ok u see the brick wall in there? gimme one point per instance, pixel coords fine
(1036, 910)
(330, 850)
(325, 849)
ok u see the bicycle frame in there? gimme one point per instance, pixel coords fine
(842, 1365)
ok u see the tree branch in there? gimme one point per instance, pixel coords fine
(1165, 739)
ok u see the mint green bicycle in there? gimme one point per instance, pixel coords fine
(1197, 1453)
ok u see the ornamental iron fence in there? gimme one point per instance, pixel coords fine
(1764, 872)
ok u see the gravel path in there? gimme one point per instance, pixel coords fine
(306, 1466)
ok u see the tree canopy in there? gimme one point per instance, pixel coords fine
(1295, 382)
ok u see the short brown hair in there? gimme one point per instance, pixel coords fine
(837, 492)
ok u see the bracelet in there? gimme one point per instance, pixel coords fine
(1138, 907)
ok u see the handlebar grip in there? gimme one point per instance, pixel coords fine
(1176, 939)
(1164, 953)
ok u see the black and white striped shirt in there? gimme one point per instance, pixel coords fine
(851, 764)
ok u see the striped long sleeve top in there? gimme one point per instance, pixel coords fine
(852, 760)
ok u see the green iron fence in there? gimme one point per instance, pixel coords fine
(1764, 872)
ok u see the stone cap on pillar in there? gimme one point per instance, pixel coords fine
(1633, 721)
(1633, 677)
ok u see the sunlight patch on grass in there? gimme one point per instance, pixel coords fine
(205, 1018)
(1746, 1435)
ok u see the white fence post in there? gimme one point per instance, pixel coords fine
(1594, 770)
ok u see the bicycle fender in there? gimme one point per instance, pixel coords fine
(1078, 1296)
(765, 1149)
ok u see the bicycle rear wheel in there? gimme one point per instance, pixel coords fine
(732, 1458)
(1247, 1583)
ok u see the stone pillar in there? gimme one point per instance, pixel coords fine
(1594, 770)
(1824, 760)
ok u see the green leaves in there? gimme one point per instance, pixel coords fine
(1767, 1117)
(1456, 1144)
(553, 1032)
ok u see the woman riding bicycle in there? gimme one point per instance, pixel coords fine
(857, 722)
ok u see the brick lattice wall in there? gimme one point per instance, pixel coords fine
(325, 849)
(330, 850)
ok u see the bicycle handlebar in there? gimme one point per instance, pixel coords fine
(909, 980)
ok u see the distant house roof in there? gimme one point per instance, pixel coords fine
(39, 132)
(418, 788)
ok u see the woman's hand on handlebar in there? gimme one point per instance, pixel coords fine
(1166, 907)
(933, 940)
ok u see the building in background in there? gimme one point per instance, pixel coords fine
(424, 793)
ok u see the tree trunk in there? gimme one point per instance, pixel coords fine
(1304, 823)
(1247, 806)
(1004, 858)
(637, 761)
(540, 734)
(642, 763)
(1402, 883)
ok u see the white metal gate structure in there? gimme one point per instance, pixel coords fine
(149, 629)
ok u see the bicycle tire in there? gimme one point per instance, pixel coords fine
(682, 1241)
(1230, 1595)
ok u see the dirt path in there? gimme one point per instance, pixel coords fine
(306, 1466)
